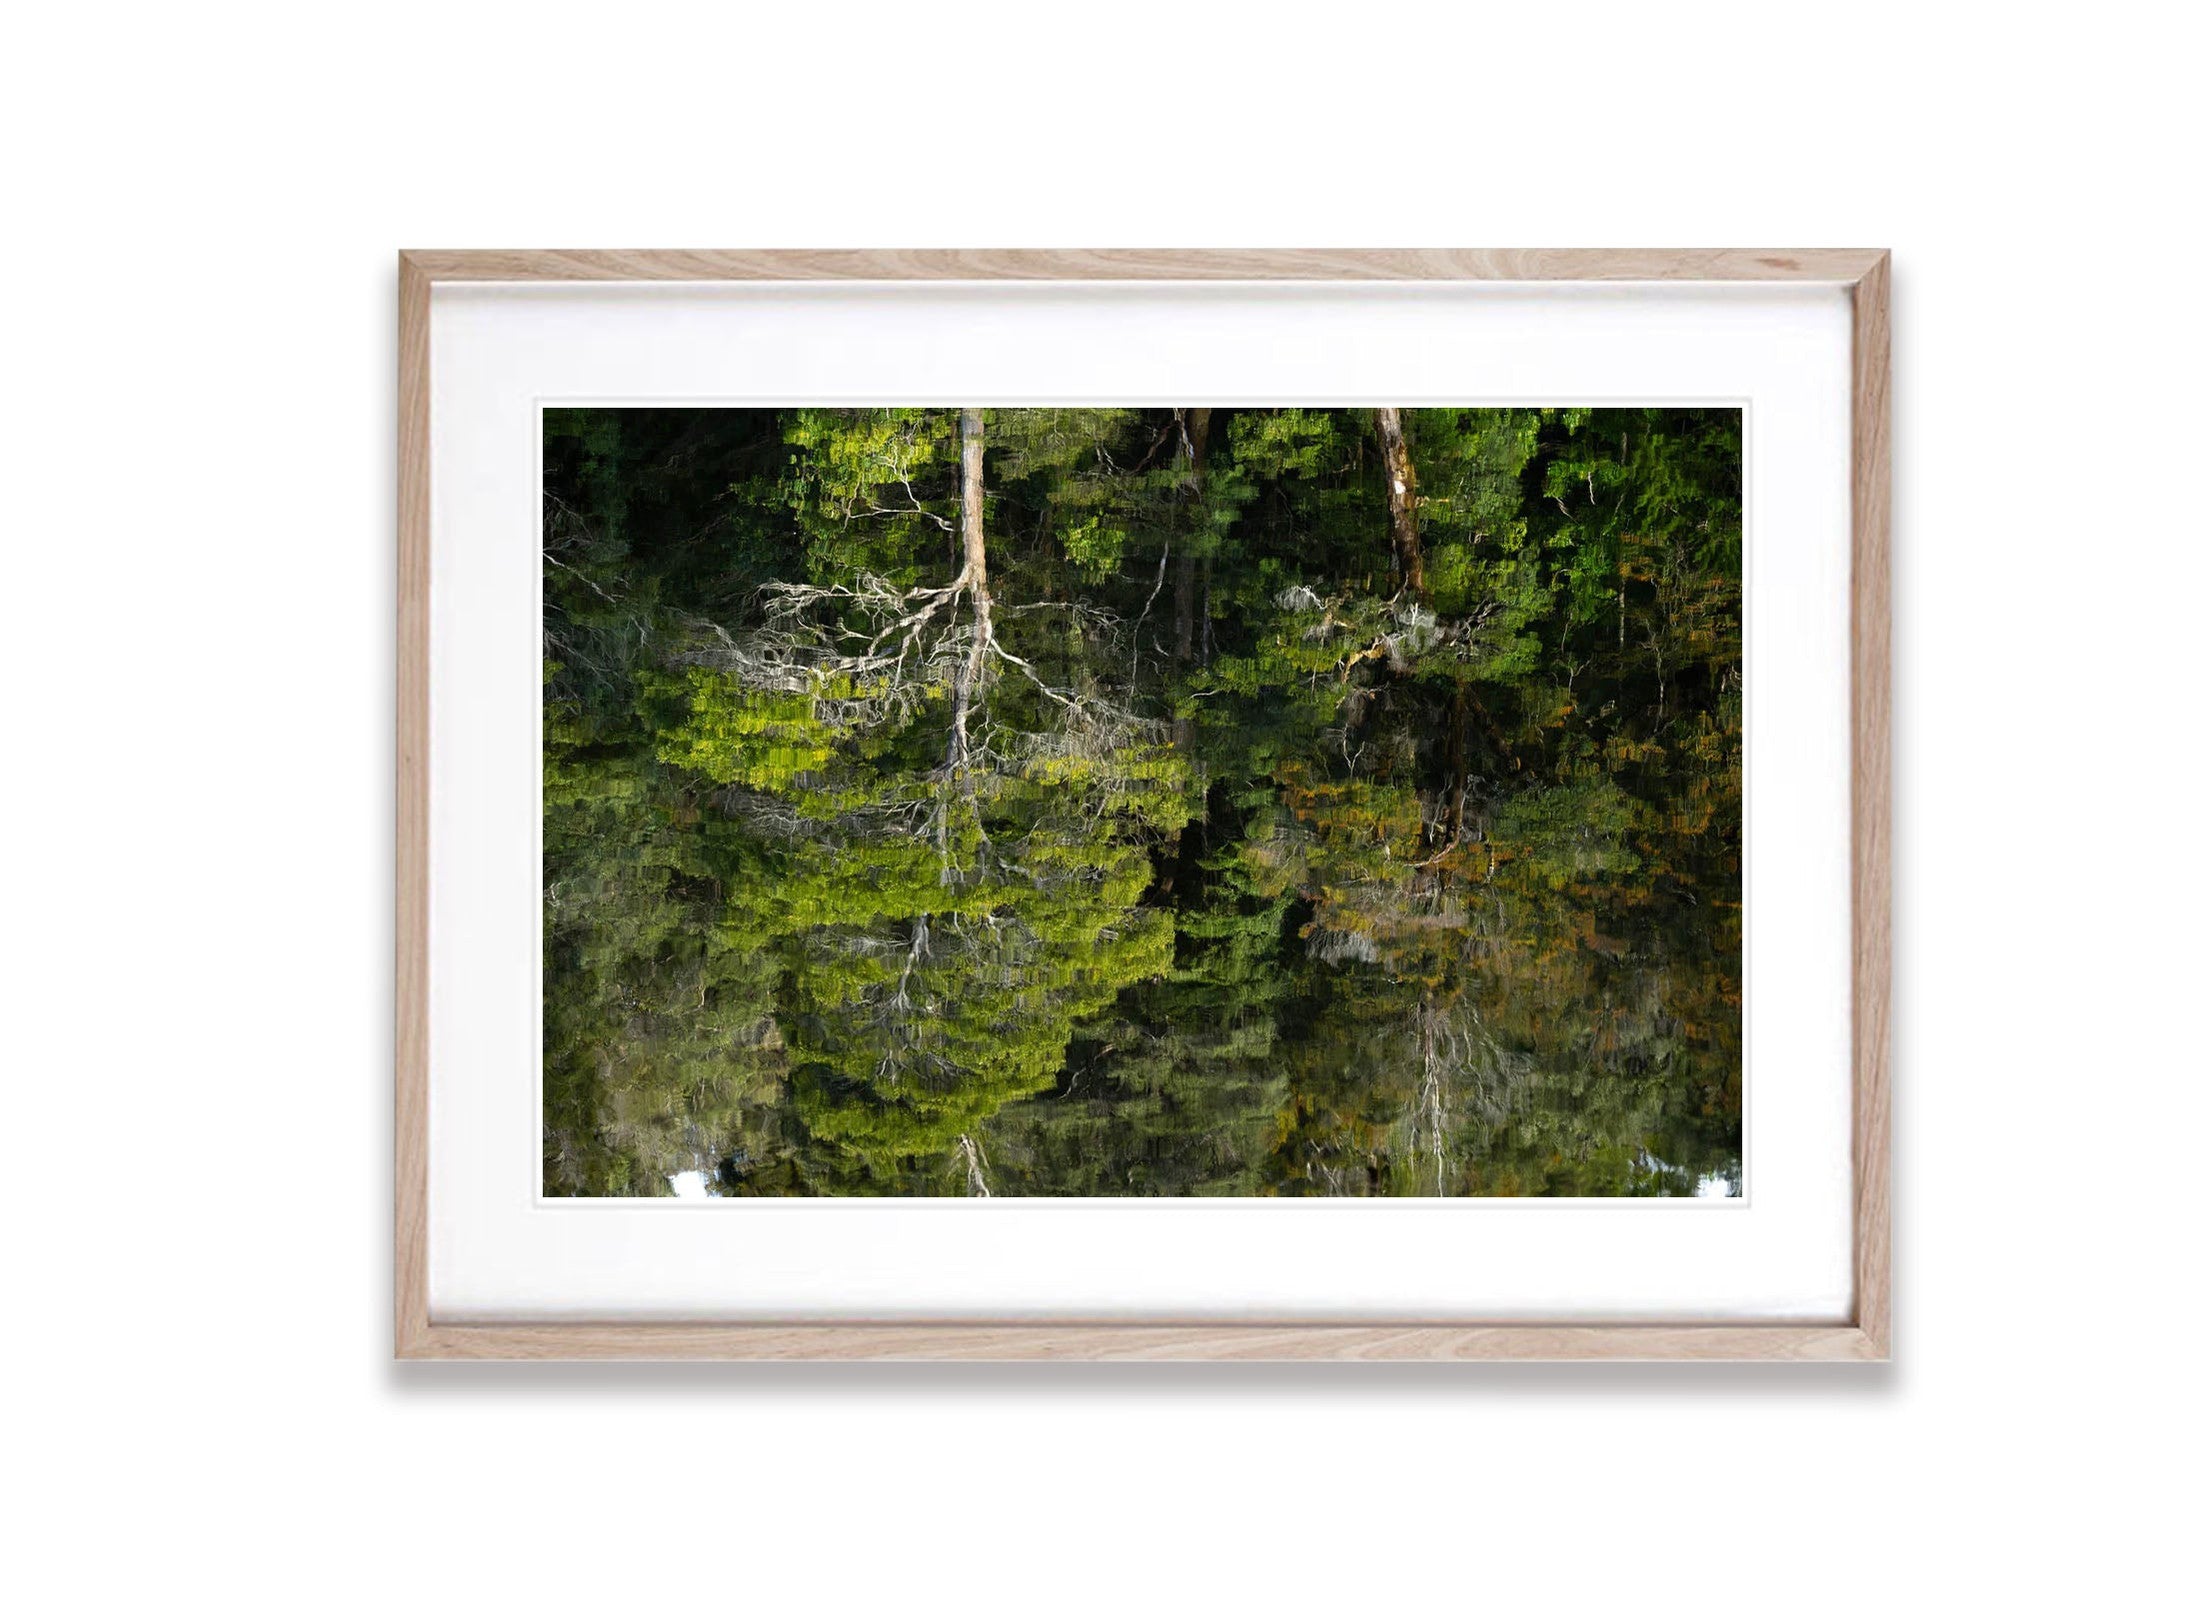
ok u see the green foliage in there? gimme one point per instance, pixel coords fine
(1272, 444)
(870, 490)
(1257, 874)
(738, 736)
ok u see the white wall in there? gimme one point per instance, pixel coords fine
(195, 600)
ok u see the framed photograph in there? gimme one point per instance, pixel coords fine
(1143, 804)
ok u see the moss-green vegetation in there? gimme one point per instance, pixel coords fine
(1195, 802)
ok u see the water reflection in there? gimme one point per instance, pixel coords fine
(1008, 803)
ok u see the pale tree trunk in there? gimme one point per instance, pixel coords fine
(973, 1160)
(1397, 476)
(973, 581)
(1431, 1094)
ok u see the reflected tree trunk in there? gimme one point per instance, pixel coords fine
(1187, 570)
(1432, 1065)
(1457, 826)
(973, 582)
(1404, 494)
(973, 1161)
(1191, 576)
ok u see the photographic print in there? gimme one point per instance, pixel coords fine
(1162, 802)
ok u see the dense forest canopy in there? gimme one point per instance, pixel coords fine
(1142, 802)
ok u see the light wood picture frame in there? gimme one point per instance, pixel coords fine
(1864, 1335)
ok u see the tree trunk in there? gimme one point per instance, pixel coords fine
(1458, 762)
(1397, 474)
(972, 580)
(973, 1159)
(1431, 1093)
(1195, 426)
(1198, 424)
